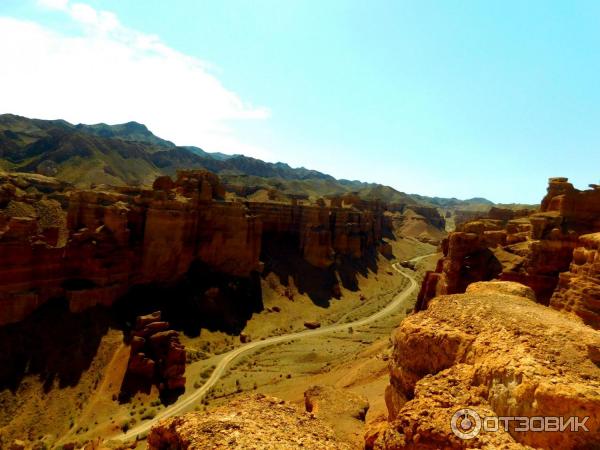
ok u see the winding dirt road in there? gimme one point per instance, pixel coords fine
(229, 357)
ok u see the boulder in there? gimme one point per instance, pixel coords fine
(142, 366)
(142, 321)
(578, 290)
(163, 183)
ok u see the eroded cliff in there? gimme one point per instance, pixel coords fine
(91, 247)
(536, 250)
(499, 353)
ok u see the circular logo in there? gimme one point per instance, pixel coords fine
(466, 423)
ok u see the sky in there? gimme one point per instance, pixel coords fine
(440, 98)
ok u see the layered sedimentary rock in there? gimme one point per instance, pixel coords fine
(119, 238)
(91, 247)
(496, 351)
(251, 422)
(322, 233)
(578, 289)
(532, 250)
(466, 259)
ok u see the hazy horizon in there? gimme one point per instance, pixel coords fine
(475, 100)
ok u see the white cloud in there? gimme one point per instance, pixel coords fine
(114, 74)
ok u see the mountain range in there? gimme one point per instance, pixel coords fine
(130, 153)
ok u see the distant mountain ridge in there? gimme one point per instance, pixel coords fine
(130, 153)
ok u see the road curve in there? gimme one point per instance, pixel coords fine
(229, 357)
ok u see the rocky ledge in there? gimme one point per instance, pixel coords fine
(496, 351)
(257, 421)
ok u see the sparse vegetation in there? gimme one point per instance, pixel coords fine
(150, 414)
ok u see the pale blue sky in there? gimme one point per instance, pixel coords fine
(447, 98)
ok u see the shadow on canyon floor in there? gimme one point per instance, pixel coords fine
(203, 299)
(52, 343)
(282, 257)
(59, 345)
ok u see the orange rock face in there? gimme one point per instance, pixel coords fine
(91, 247)
(500, 354)
(578, 289)
(466, 259)
(532, 250)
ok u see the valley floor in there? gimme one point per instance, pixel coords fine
(351, 359)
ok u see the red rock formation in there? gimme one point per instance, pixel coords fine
(578, 289)
(113, 239)
(579, 209)
(466, 259)
(156, 354)
(531, 250)
(498, 353)
(322, 232)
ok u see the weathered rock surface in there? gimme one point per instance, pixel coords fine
(578, 289)
(156, 355)
(499, 354)
(256, 421)
(93, 246)
(532, 250)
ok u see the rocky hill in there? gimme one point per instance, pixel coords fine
(129, 153)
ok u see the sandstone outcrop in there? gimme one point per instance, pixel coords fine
(499, 354)
(256, 421)
(156, 354)
(91, 247)
(323, 233)
(532, 250)
(578, 289)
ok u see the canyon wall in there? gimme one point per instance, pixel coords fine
(578, 289)
(537, 251)
(91, 247)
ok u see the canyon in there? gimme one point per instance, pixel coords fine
(143, 280)
(506, 324)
